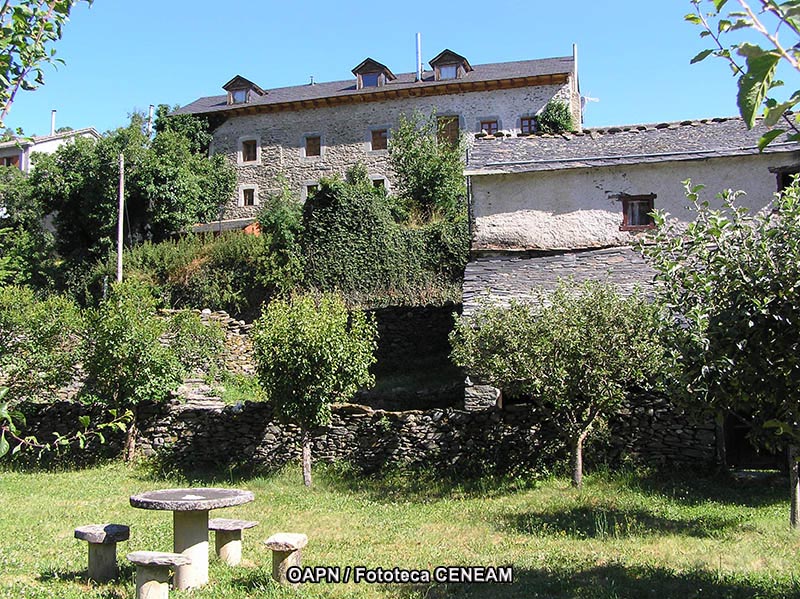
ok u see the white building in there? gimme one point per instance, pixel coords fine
(546, 207)
(18, 152)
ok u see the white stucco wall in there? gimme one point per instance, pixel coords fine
(571, 209)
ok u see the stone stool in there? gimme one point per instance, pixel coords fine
(228, 538)
(102, 539)
(152, 572)
(286, 552)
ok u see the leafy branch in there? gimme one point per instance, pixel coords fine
(28, 28)
(757, 73)
(11, 439)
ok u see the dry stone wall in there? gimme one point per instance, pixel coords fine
(516, 438)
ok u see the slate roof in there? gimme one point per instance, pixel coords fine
(26, 141)
(629, 144)
(485, 72)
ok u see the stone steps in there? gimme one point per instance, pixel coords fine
(196, 394)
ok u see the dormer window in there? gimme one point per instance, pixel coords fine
(448, 71)
(371, 73)
(449, 65)
(241, 90)
(370, 79)
(238, 96)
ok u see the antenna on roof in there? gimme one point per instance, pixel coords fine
(585, 100)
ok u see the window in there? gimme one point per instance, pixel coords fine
(527, 125)
(369, 79)
(238, 96)
(448, 129)
(448, 71)
(10, 160)
(311, 190)
(379, 139)
(248, 195)
(313, 146)
(489, 127)
(637, 212)
(379, 183)
(249, 150)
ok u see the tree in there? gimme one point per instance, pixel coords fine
(29, 30)
(169, 185)
(26, 246)
(310, 352)
(429, 171)
(730, 283)
(755, 66)
(576, 351)
(126, 363)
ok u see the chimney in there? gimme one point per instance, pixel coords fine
(419, 57)
(52, 122)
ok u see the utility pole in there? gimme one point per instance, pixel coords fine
(121, 213)
(150, 121)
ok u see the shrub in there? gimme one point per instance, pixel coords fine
(555, 117)
(352, 243)
(40, 343)
(310, 352)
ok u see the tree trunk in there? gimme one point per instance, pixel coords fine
(130, 439)
(794, 483)
(577, 460)
(719, 433)
(306, 459)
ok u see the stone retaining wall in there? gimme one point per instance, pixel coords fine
(406, 335)
(513, 439)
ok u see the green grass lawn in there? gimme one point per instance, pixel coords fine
(625, 535)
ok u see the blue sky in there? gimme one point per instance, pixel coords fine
(123, 55)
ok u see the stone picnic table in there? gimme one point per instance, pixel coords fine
(190, 509)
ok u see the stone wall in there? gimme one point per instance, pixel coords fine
(513, 439)
(407, 336)
(345, 136)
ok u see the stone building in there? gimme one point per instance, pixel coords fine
(316, 130)
(546, 207)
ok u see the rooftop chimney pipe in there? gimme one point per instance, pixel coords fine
(52, 122)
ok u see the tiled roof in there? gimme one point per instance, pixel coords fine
(485, 72)
(629, 144)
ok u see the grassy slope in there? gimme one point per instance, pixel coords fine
(624, 536)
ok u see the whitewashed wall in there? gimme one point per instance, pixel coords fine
(572, 209)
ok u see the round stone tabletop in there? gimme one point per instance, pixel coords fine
(187, 500)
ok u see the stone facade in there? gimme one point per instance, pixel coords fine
(513, 439)
(263, 132)
(345, 133)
